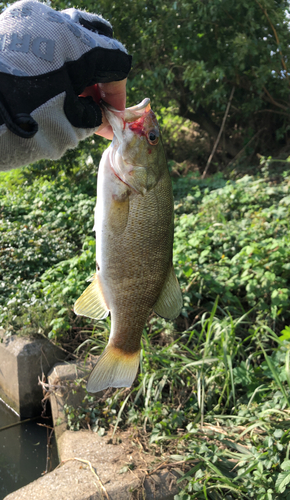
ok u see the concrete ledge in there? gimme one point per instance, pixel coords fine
(75, 481)
(22, 361)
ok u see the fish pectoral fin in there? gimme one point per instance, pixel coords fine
(118, 216)
(170, 302)
(114, 368)
(91, 278)
(92, 303)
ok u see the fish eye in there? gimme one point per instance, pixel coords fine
(153, 137)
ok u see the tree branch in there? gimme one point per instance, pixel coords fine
(272, 100)
(219, 134)
(203, 119)
(272, 111)
(276, 38)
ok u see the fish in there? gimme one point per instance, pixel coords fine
(134, 225)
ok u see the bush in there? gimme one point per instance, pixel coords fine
(233, 241)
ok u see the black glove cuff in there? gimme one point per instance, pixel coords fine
(21, 124)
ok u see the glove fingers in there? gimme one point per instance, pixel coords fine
(82, 112)
(98, 66)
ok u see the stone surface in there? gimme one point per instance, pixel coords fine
(74, 480)
(110, 459)
(65, 391)
(22, 361)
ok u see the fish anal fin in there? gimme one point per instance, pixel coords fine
(169, 302)
(114, 368)
(92, 303)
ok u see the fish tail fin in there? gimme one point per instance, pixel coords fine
(114, 368)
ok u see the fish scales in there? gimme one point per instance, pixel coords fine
(134, 240)
(137, 271)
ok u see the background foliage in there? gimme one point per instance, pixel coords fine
(213, 391)
(190, 54)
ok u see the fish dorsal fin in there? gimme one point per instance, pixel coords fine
(169, 302)
(92, 303)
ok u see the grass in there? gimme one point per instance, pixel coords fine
(213, 390)
(208, 400)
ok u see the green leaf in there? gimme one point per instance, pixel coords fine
(286, 333)
(282, 481)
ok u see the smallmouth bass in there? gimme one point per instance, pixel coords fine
(134, 240)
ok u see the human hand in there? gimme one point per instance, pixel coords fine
(54, 69)
(113, 93)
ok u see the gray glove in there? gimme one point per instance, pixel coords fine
(47, 59)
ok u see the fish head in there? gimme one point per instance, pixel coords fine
(137, 155)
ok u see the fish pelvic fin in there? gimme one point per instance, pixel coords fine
(170, 301)
(92, 303)
(114, 368)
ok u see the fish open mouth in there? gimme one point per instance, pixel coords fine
(129, 114)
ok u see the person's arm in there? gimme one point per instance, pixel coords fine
(54, 69)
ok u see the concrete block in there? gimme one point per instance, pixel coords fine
(65, 391)
(22, 361)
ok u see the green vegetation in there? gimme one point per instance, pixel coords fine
(46, 230)
(191, 53)
(213, 391)
(233, 241)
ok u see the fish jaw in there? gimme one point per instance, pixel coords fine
(118, 118)
(129, 114)
(132, 113)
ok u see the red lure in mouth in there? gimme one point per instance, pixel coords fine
(144, 124)
(138, 126)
